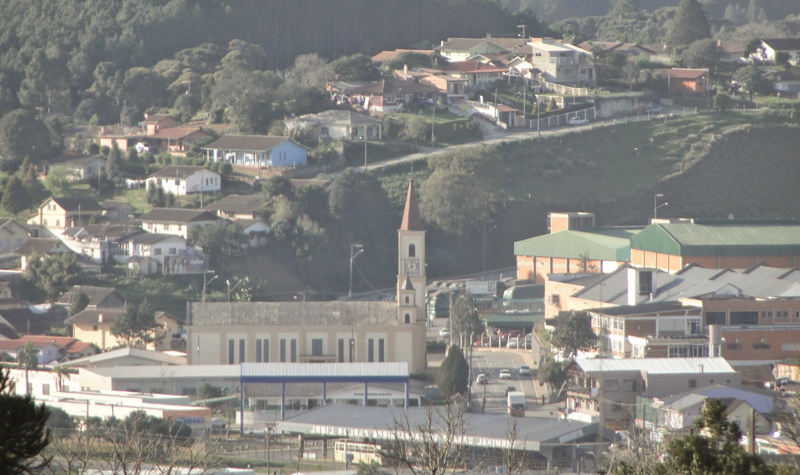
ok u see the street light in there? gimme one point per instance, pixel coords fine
(231, 289)
(355, 250)
(205, 272)
(657, 205)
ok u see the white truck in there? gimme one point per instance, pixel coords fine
(516, 403)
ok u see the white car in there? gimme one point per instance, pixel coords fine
(482, 379)
(577, 121)
(444, 333)
(525, 371)
(505, 374)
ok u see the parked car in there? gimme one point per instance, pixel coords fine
(509, 389)
(505, 374)
(525, 371)
(577, 121)
(513, 342)
(482, 379)
(444, 333)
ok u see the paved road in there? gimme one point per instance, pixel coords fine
(491, 361)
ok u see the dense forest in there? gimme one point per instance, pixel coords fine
(552, 10)
(103, 57)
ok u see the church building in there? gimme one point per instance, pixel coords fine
(316, 332)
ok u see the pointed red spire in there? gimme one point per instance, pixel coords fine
(411, 218)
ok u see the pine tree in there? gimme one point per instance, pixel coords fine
(453, 373)
(23, 432)
(689, 25)
(15, 197)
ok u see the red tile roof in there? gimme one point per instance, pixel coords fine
(411, 217)
(686, 73)
(174, 133)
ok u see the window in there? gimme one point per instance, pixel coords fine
(172, 251)
(407, 300)
(645, 282)
(412, 250)
(629, 385)
(381, 348)
(177, 182)
(265, 355)
(316, 347)
(230, 351)
(283, 350)
(763, 344)
(340, 353)
(766, 315)
(694, 327)
(189, 391)
(744, 318)
(408, 318)
(94, 327)
(612, 386)
(782, 315)
(715, 318)
(157, 251)
(241, 350)
(371, 350)
(258, 351)
(692, 383)
(45, 389)
(294, 350)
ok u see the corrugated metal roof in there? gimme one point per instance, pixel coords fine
(722, 239)
(610, 244)
(148, 372)
(695, 282)
(656, 365)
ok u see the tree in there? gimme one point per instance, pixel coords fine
(716, 450)
(53, 274)
(15, 197)
(78, 303)
(466, 321)
(432, 446)
(59, 181)
(702, 54)
(624, 8)
(456, 201)
(28, 358)
(358, 67)
(23, 432)
(689, 25)
(137, 325)
(278, 185)
(573, 332)
(749, 80)
(23, 135)
(224, 239)
(722, 101)
(552, 373)
(453, 375)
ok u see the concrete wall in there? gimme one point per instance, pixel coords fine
(609, 107)
(660, 385)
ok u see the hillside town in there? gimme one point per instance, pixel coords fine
(529, 251)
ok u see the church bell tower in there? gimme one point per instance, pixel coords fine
(411, 281)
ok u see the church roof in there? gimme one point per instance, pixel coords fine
(411, 218)
(407, 285)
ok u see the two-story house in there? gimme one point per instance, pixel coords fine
(177, 221)
(150, 253)
(562, 63)
(66, 212)
(185, 179)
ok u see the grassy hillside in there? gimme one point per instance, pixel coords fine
(707, 166)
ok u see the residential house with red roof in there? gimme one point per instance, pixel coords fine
(688, 81)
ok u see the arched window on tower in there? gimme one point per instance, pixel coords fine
(407, 300)
(408, 318)
(412, 250)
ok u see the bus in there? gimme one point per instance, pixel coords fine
(357, 452)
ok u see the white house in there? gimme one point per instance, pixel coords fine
(185, 179)
(768, 50)
(562, 63)
(164, 253)
(255, 230)
(337, 124)
(177, 221)
(46, 351)
(257, 151)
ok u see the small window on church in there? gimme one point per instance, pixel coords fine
(407, 300)
(408, 318)
(412, 250)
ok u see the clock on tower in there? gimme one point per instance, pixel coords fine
(412, 266)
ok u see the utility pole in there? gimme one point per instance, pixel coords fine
(433, 124)
(365, 149)
(353, 254)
